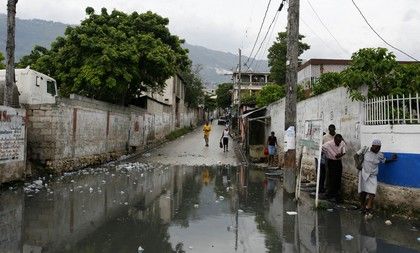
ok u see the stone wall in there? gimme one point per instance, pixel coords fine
(78, 132)
(12, 144)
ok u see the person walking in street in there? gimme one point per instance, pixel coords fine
(272, 148)
(225, 139)
(334, 150)
(323, 172)
(368, 182)
(206, 131)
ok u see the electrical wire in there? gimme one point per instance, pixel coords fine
(266, 34)
(377, 34)
(259, 32)
(270, 38)
(326, 28)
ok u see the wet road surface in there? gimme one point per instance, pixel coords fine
(190, 150)
(120, 207)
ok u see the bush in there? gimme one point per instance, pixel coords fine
(178, 133)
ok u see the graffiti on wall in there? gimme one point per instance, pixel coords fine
(12, 135)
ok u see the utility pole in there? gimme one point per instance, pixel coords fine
(10, 53)
(239, 82)
(291, 96)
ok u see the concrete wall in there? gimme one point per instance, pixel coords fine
(399, 181)
(12, 144)
(77, 132)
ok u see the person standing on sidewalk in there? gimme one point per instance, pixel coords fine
(272, 148)
(206, 131)
(323, 172)
(334, 151)
(368, 182)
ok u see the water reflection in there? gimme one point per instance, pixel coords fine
(181, 209)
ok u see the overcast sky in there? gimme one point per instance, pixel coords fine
(227, 25)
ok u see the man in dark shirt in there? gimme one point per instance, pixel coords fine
(272, 151)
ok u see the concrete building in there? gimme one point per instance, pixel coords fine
(311, 70)
(251, 83)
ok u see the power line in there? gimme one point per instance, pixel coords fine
(270, 38)
(266, 34)
(259, 32)
(386, 42)
(326, 28)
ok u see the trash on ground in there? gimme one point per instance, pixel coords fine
(140, 249)
(221, 197)
(388, 222)
(240, 211)
(330, 210)
(195, 205)
(291, 213)
(349, 237)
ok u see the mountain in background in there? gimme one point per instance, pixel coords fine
(216, 65)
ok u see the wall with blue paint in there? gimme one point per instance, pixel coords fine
(403, 140)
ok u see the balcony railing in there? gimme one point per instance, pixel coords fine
(392, 110)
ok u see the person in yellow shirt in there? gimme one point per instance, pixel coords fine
(206, 131)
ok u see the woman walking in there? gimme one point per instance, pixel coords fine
(368, 182)
(225, 139)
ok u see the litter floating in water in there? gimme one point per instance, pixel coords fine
(221, 197)
(196, 206)
(349, 237)
(140, 249)
(240, 211)
(291, 213)
(388, 222)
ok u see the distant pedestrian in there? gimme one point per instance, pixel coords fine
(225, 139)
(206, 131)
(334, 150)
(272, 148)
(368, 182)
(323, 171)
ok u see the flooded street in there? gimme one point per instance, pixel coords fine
(183, 208)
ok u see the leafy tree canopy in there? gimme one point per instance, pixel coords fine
(381, 73)
(2, 66)
(327, 82)
(249, 99)
(114, 56)
(193, 86)
(30, 60)
(224, 95)
(269, 94)
(277, 57)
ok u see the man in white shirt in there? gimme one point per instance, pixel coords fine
(323, 172)
(334, 150)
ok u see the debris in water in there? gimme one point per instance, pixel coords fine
(195, 205)
(140, 249)
(240, 211)
(291, 213)
(388, 222)
(349, 237)
(90, 189)
(330, 210)
(221, 197)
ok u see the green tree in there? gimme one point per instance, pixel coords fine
(224, 95)
(209, 103)
(2, 66)
(373, 67)
(248, 99)
(407, 79)
(269, 94)
(193, 86)
(30, 60)
(114, 56)
(327, 82)
(277, 57)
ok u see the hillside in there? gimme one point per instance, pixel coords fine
(215, 64)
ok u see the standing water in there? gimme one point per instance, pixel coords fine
(155, 208)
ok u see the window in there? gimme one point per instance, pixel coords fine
(51, 88)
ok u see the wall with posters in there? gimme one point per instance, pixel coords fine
(12, 144)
